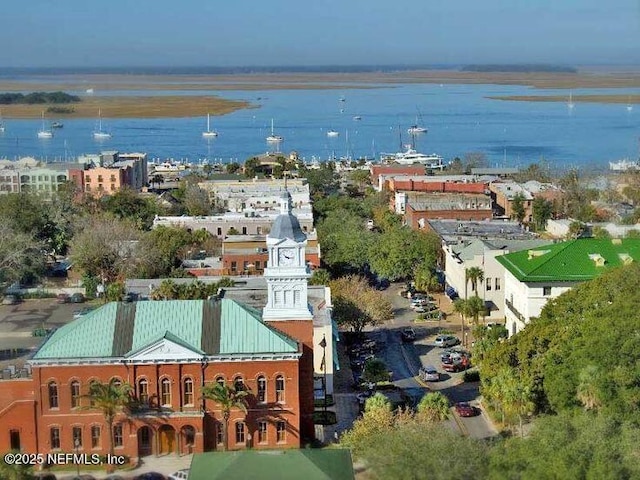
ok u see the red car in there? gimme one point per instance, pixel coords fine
(464, 409)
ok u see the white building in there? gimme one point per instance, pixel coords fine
(537, 275)
(482, 254)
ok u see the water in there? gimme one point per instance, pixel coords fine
(460, 118)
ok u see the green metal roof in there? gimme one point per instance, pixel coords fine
(573, 261)
(308, 463)
(209, 327)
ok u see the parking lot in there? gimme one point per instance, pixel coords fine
(17, 322)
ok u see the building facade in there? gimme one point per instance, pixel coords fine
(537, 275)
(168, 351)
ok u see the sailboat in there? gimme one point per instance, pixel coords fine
(99, 134)
(570, 103)
(332, 133)
(629, 107)
(1, 123)
(273, 138)
(44, 133)
(416, 128)
(209, 133)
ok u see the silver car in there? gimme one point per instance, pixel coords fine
(429, 374)
(445, 341)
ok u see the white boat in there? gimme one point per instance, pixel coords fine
(416, 128)
(411, 156)
(100, 134)
(168, 167)
(44, 133)
(570, 103)
(629, 105)
(413, 129)
(332, 133)
(209, 133)
(273, 138)
(89, 91)
(1, 123)
(357, 117)
(624, 165)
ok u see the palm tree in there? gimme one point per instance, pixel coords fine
(475, 306)
(474, 275)
(110, 398)
(228, 398)
(460, 306)
(434, 407)
(157, 179)
(587, 391)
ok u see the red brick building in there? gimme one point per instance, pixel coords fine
(167, 351)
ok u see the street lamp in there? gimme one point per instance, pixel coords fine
(323, 365)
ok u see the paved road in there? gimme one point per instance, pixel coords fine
(406, 359)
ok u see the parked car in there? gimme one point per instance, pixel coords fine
(77, 298)
(464, 409)
(445, 341)
(150, 476)
(10, 300)
(63, 298)
(179, 475)
(429, 374)
(408, 335)
(130, 297)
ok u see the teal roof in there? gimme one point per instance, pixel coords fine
(308, 463)
(573, 261)
(207, 327)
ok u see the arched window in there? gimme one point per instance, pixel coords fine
(75, 393)
(279, 388)
(220, 380)
(165, 392)
(240, 432)
(143, 390)
(238, 383)
(187, 391)
(262, 389)
(53, 394)
(92, 402)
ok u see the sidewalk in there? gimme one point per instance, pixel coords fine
(166, 464)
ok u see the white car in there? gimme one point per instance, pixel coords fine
(179, 475)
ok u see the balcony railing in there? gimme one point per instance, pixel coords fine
(515, 311)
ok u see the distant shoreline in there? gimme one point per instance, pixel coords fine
(142, 106)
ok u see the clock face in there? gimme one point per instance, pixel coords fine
(287, 256)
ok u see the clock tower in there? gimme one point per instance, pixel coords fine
(287, 272)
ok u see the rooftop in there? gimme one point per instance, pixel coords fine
(203, 327)
(573, 261)
(453, 231)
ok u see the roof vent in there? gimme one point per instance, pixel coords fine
(598, 259)
(536, 253)
(616, 241)
(625, 258)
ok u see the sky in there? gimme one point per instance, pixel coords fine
(86, 33)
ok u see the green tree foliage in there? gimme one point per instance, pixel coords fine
(110, 398)
(345, 241)
(115, 292)
(356, 304)
(375, 370)
(233, 167)
(433, 407)
(322, 181)
(542, 211)
(474, 275)
(425, 279)
(517, 208)
(395, 445)
(593, 325)
(226, 398)
(38, 98)
(163, 249)
(320, 277)
(475, 307)
(395, 254)
(196, 290)
(126, 204)
(15, 471)
(572, 447)
(577, 198)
